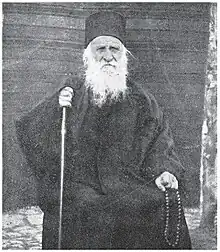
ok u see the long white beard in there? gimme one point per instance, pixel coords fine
(107, 82)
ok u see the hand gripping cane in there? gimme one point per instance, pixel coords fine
(62, 163)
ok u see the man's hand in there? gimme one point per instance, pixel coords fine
(166, 180)
(65, 97)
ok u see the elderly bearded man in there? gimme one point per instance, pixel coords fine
(121, 172)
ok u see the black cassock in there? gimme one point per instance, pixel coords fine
(113, 155)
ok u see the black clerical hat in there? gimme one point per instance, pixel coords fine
(105, 23)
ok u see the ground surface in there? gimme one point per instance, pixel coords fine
(22, 230)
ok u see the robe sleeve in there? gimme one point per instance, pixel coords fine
(32, 134)
(31, 127)
(160, 156)
(39, 137)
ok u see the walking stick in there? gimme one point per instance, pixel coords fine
(62, 163)
(63, 133)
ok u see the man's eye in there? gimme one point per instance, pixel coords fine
(113, 48)
(101, 48)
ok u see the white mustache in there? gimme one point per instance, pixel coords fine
(108, 64)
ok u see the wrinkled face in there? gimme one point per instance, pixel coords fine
(107, 51)
(105, 61)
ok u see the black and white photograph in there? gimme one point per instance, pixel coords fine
(109, 125)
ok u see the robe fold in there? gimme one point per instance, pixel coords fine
(113, 155)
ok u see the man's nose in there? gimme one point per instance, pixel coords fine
(108, 55)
